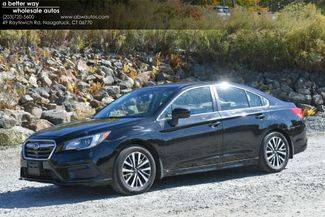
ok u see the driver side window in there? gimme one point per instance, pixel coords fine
(197, 101)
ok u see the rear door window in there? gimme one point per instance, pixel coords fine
(231, 98)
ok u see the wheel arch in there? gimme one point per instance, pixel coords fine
(147, 145)
(286, 135)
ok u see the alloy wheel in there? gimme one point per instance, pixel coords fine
(276, 152)
(136, 170)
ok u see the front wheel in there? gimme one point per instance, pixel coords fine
(274, 153)
(134, 171)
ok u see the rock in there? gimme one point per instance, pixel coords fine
(321, 108)
(66, 80)
(150, 83)
(45, 79)
(107, 71)
(52, 106)
(26, 99)
(108, 80)
(51, 62)
(106, 63)
(37, 112)
(14, 136)
(95, 104)
(82, 66)
(107, 100)
(304, 91)
(161, 77)
(299, 98)
(81, 110)
(322, 92)
(26, 119)
(56, 116)
(90, 78)
(22, 117)
(143, 78)
(33, 80)
(318, 99)
(7, 121)
(40, 124)
(125, 91)
(112, 90)
(43, 92)
(83, 85)
(286, 88)
(126, 83)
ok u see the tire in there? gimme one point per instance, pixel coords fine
(131, 175)
(274, 153)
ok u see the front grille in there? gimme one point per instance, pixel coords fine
(39, 150)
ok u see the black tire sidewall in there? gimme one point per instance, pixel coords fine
(263, 157)
(118, 168)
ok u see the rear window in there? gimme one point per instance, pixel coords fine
(254, 100)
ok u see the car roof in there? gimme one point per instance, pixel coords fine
(187, 85)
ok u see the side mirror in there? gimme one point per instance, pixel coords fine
(177, 114)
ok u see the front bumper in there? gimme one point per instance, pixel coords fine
(86, 167)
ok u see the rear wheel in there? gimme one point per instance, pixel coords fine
(134, 171)
(274, 153)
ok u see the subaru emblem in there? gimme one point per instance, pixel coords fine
(34, 146)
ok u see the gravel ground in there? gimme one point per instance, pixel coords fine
(299, 190)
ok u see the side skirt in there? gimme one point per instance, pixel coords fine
(211, 167)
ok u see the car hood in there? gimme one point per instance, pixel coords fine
(77, 129)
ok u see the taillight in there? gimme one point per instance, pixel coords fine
(298, 111)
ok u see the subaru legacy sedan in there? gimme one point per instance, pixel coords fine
(167, 130)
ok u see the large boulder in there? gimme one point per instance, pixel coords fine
(56, 116)
(39, 124)
(7, 121)
(14, 136)
(80, 110)
(10, 118)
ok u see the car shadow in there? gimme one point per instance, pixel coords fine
(49, 195)
(207, 177)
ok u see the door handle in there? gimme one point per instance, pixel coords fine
(260, 116)
(215, 124)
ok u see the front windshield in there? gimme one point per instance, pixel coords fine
(139, 103)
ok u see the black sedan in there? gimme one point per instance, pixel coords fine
(166, 130)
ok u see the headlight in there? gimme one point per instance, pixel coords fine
(85, 142)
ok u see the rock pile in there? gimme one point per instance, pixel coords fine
(44, 87)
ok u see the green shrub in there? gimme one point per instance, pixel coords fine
(294, 37)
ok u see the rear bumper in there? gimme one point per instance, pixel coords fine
(299, 142)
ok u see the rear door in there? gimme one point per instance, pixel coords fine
(243, 120)
(195, 141)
